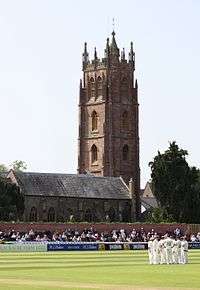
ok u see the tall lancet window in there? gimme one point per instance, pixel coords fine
(92, 88)
(125, 152)
(125, 125)
(94, 154)
(94, 121)
(33, 215)
(124, 88)
(99, 86)
(51, 215)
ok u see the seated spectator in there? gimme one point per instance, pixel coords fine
(38, 239)
(177, 232)
(192, 238)
(198, 237)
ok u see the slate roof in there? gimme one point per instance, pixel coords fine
(149, 202)
(72, 185)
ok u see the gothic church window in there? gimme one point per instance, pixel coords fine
(126, 213)
(94, 154)
(99, 86)
(88, 215)
(125, 152)
(94, 121)
(111, 214)
(124, 88)
(92, 88)
(51, 215)
(33, 215)
(125, 124)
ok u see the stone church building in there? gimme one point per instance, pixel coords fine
(57, 197)
(107, 186)
(108, 110)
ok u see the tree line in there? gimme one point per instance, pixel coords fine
(175, 184)
(11, 197)
(176, 187)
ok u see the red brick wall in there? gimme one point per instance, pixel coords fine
(23, 227)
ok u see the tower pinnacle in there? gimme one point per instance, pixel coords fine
(123, 54)
(131, 54)
(85, 55)
(113, 47)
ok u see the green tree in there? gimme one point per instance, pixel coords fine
(176, 185)
(18, 165)
(11, 201)
(3, 168)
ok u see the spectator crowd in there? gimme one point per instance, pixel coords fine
(89, 235)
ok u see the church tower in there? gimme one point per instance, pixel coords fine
(108, 116)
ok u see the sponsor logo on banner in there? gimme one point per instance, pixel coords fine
(72, 247)
(24, 247)
(194, 245)
(137, 246)
(115, 247)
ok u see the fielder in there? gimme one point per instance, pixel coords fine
(174, 251)
(161, 250)
(150, 251)
(184, 251)
(168, 244)
(156, 254)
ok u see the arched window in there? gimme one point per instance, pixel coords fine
(51, 215)
(94, 155)
(125, 152)
(124, 88)
(99, 86)
(70, 216)
(126, 213)
(111, 214)
(88, 215)
(92, 88)
(94, 121)
(125, 124)
(33, 215)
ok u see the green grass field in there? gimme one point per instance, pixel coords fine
(95, 270)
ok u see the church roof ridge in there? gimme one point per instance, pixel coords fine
(71, 185)
(65, 174)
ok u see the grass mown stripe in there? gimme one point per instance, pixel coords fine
(95, 270)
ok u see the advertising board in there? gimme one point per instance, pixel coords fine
(72, 247)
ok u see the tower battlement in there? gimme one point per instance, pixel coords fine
(111, 56)
(108, 116)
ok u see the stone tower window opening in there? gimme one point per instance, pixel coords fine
(125, 123)
(92, 88)
(33, 215)
(99, 87)
(124, 87)
(94, 154)
(125, 152)
(94, 121)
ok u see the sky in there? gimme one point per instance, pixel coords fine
(41, 43)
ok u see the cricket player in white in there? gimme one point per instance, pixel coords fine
(156, 254)
(174, 251)
(184, 251)
(161, 250)
(150, 251)
(178, 242)
(168, 244)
